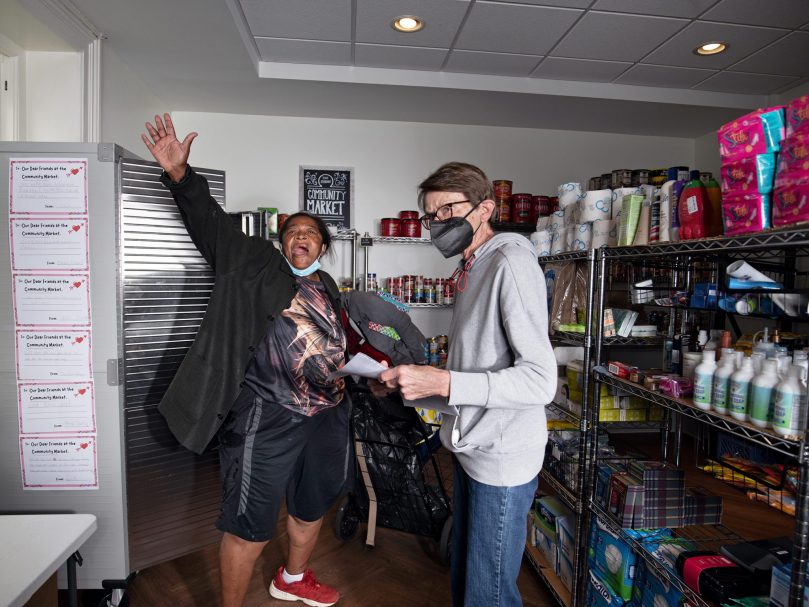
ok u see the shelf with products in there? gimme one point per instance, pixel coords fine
(678, 268)
(546, 572)
(578, 339)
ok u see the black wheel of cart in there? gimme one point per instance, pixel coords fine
(445, 543)
(347, 521)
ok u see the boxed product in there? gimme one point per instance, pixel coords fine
(622, 415)
(676, 385)
(701, 507)
(545, 539)
(612, 559)
(652, 590)
(715, 578)
(619, 369)
(666, 551)
(600, 595)
(604, 472)
(563, 520)
(663, 495)
(656, 413)
(779, 586)
(625, 500)
(565, 571)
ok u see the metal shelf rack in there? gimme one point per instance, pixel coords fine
(774, 248)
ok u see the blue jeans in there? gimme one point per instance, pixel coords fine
(488, 538)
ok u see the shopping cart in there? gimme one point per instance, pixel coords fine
(399, 483)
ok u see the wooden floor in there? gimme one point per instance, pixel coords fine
(402, 570)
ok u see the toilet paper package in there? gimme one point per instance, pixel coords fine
(745, 213)
(749, 175)
(797, 115)
(542, 241)
(571, 214)
(601, 233)
(595, 205)
(569, 193)
(755, 133)
(583, 236)
(558, 242)
(543, 223)
(557, 222)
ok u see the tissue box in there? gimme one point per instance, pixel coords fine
(701, 507)
(664, 493)
(612, 560)
(625, 500)
(600, 595)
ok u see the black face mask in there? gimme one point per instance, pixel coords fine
(452, 236)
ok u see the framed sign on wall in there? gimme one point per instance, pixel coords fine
(328, 193)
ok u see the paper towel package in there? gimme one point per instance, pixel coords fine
(569, 194)
(595, 205)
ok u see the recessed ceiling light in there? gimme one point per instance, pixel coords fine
(711, 48)
(408, 23)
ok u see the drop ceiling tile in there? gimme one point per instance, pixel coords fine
(500, 64)
(742, 40)
(441, 21)
(514, 28)
(777, 13)
(559, 68)
(662, 8)
(752, 84)
(787, 57)
(557, 3)
(310, 20)
(616, 37)
(304, 51)
(667, 76)
(399, 57)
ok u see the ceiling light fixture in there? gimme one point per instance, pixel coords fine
(711, 48)
(408, 24)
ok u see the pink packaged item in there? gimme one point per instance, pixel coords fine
(745, 213)
(758, 132)
(749, 174)
(676, 386)
(789, 204)
(793, 162)
(798, 115)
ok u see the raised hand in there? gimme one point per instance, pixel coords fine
(166, 149)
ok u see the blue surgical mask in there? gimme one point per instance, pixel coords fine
(306, 271)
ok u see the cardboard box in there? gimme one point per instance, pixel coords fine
(779, 588)
(701, 507)
(626, 500)
(650, 590)
(619, 369)
(600, 595)
(612, 559)
(622, 415)
(564, 523)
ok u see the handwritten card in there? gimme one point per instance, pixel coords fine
(49, 244)
(52, 186)
(50, 408)
(54, 355)
(59, 463)
(41, 299)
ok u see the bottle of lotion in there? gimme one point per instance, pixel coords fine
(720, 401)
(740, 390)
(763, 394)
(703, 380)
(788, 414)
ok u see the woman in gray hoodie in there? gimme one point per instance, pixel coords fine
(500, 374)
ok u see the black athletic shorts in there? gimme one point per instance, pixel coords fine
(268, 452)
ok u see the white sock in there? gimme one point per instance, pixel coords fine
(289, 578)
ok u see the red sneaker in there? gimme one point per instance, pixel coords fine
(308, 590)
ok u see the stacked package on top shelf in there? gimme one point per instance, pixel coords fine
(792, 178)
(748, 147)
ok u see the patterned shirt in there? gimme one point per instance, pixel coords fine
(293, 361)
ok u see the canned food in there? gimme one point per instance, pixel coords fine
(623, 178)
(536, 208)
(639, 177)
(370, 281)
(432, 345)
(521, 208)
(502, 189)
(554, 204)
(411, 228)
(408, 214)
(658, 177)
(390, 227)
(606, 181)
(504, 210)
(594, 183)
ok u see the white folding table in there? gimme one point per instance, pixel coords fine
(36, 545)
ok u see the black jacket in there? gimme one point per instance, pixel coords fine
(253, 285)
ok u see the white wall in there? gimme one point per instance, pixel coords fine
(53, 96)
(261, 155)
(126, 103)
(706, 154)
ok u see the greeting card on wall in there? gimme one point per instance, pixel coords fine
(49, 244)
(54, 355)
(59, 462)
(48, 186)
(328, 193)
(56, 408)
(43, 299)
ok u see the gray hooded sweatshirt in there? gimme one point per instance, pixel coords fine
(502, 367)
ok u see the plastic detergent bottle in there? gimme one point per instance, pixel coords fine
(788, 415)
(703, 380)
(799, 357)
(758, 361)
(740, 390)
(692, 209)
(678, 177)
(714, 208)
(762, 394)
(720, 400)
(765, 345)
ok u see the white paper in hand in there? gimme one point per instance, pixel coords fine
(435, 403)
(362, 365)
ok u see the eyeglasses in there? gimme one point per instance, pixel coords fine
(443, 212)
